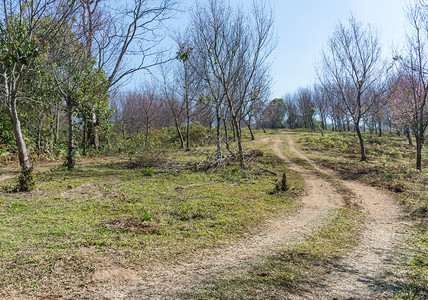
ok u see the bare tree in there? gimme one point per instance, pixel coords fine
(306, 107)
(123, 40)
(322, 104)
(190, 82)
(235, 47)
(175, 104)
(411, 92)
(351, 66)
(291, 110)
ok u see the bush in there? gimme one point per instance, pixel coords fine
(148, 160)
(26, 180)
(167, 137)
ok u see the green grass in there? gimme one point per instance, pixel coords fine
(297, 265)
(390, 165)
(99, 212)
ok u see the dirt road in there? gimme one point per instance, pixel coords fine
(359, 276)
(172, 282)
(356, 278)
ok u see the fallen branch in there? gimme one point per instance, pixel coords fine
(268, 171)
(193, 185)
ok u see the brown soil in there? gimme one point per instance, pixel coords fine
(356, 279)
(178, 280)
(359, 276)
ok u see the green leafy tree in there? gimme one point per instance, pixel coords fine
(82, 86)
(26, 30)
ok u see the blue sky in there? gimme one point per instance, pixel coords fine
(304, 27)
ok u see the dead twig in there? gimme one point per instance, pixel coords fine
(193, 185)
(268, 171)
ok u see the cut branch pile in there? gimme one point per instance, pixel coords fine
(215, 160)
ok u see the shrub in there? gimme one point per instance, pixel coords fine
(26, 180)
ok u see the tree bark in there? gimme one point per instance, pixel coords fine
(360, 138)
(251, 131)
(147, 135)
(226, 134)
(85, 129)
(409, 137)
(218, 116)
(419, 152)
(180, 134)
(39, 136)
(187, 122)
(234, 130)
(94, 139)
(56, 126)
(239, 139)
(70, 155)
(24, 161)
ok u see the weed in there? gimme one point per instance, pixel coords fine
(147, 172)
(106, 209)
(27, 180)
(390, 165)
(303, 262)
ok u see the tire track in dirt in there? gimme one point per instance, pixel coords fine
(10, 172)
(8, 175)
(359, 274)
(177, 281)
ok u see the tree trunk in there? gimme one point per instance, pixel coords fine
(147, 136)
(312, 125)
(39, 136)
(251, 131)
(24, 161)
(360, 138)
(234, 130)
(94, 139)
(85, 129)
(218, 116)
(56, 124)
(380, 129)
(409, 137)
(226, 134)
(180, 134)
(187, 125)
(419, 152)
(239, 139)
(70, 155)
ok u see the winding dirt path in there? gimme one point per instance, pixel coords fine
(175, 281)
(358, 277)
(359, 274)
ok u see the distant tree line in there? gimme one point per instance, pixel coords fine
(62, 63)
(358, 90)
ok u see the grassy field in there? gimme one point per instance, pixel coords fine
(298, 266)
(390, 165)
(121, 212)
(137, 211)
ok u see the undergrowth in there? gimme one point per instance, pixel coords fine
(297, 265)
(109, 211)
(390, 165)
